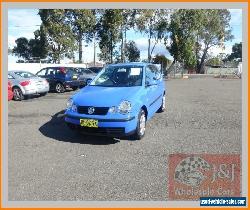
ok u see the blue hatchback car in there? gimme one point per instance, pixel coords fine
(119, 101)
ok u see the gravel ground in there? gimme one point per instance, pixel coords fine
(47, 161)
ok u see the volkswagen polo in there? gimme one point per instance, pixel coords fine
(119, 101)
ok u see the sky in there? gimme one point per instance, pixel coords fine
(23, 23)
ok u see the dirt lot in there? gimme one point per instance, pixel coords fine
(47, 161)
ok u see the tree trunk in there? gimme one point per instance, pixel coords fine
(125, 43)
(149, 56)
(111, 49)
(122, 47)
(80, 49)
(200, 65)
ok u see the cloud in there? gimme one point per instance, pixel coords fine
(216, 50)
(22, 23)
(236, 17)
(160, 48)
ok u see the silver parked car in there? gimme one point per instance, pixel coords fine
(25, 83)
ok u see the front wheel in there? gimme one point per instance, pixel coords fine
(141, 126)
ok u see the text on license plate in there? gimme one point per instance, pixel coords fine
(89, 123)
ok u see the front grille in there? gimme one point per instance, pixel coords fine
(98, 110)
(112, 131)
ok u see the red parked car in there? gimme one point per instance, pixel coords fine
(10, 93)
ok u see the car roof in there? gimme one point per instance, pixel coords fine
(131, 64)
(13, 71)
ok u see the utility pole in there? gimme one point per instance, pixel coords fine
(94, 51)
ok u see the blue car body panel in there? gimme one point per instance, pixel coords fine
(149, 97)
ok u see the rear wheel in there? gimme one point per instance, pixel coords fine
(141, 126)
(17, 94)
(60, 88)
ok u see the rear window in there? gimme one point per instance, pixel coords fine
(24, 74)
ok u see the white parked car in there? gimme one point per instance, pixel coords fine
(25, 83)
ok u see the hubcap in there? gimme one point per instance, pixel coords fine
(58, 88)
(17, 94)
(142, 124)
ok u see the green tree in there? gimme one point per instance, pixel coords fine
(194, 32)
(236, 52)
(128, 22)
(61, 40)
(82, 22)
(132, 53)
(38, 47)
(109, 33)
(22, 48)
(161, 59)
(153, 23)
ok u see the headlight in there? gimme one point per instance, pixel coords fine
(124, 107)
(74, 108)
(71, 106)
(69, 103)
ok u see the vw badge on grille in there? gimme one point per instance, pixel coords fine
(91, 110)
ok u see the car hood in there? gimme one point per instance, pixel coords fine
(104, 96)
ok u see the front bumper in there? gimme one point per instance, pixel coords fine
(106, 127)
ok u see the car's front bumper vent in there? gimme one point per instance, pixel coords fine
(97, 110)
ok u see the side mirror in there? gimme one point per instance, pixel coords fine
(150, 83)
(88, 81)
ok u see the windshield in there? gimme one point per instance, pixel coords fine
(119, 76)
(24, 74)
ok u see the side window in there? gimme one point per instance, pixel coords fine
(42, 72)
(10, 77)
(149, 73)
(50, 72)
(157, 72)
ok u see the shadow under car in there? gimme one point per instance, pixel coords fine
(57, 129)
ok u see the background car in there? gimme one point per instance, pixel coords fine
(10, 92)
(61, 78)
(25, 83)
(85, 74)
(95, 69)
(119, 101)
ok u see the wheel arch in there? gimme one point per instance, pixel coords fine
(144, 108)
(17, 86)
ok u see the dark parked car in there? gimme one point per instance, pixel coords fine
(61, 78)
(85, 74)
(95, 69)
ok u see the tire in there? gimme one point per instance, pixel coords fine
(141, 126)
(163, 104)
(17, 94)
(74, 88)
(43, 94)
(59, 88)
